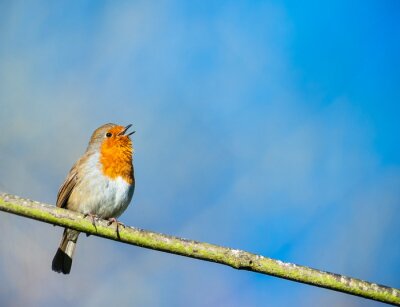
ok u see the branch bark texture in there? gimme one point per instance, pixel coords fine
(234, 258)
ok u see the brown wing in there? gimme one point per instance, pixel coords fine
(67, 187)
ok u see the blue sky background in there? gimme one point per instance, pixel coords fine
(269, 126)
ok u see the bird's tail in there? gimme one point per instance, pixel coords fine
(62, 261)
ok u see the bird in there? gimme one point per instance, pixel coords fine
(100, 184)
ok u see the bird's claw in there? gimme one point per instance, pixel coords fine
(93, 217)
(114, 220)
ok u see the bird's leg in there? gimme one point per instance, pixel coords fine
(93, 217)
(114, 220)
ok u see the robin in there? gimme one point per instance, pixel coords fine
(100, 184)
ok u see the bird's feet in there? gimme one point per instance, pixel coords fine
(93, 217)
(114, 220)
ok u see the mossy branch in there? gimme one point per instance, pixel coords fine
(237, 259)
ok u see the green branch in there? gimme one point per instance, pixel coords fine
(237, 259)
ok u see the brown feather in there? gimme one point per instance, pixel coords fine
(67, 187)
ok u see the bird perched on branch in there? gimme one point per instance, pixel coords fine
(100, 184)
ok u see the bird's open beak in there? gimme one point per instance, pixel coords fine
(125, 129)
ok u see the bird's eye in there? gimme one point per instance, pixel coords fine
(108, 134)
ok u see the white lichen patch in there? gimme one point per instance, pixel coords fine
(343, 280)
(374, 286)
(286, 264)
(166, 240)
(235, 252)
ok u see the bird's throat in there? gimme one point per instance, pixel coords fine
(116, 161)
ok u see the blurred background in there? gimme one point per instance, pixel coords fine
(269, 126)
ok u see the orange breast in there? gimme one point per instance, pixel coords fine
(116, 158)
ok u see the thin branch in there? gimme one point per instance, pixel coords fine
(237, 259)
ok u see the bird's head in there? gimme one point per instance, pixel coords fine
(111, 137)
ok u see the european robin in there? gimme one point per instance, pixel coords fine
(100, 184)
